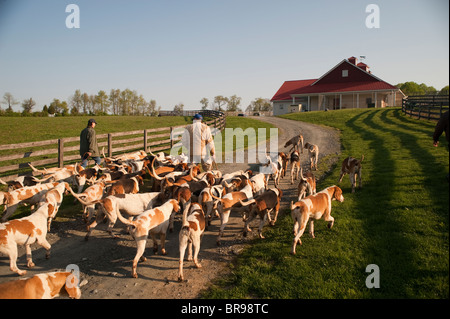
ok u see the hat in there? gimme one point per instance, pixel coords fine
(197, 117)
(92, 121)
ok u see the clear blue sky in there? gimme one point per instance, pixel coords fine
(181, 51)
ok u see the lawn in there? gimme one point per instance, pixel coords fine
(397, 221)
(30, 129)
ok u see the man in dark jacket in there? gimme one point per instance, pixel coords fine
(88, 144)
(441, 126)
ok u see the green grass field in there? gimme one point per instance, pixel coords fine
(29, 129)
(398, 221)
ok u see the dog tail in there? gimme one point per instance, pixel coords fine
(362, 158)
(124, 220)
(184, 221)
(214, 196)
(80, 197)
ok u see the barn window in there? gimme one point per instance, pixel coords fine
(344, 73)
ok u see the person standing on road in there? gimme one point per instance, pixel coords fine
(197, 139)
(88, 144)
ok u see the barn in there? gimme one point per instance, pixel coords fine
(347, 85)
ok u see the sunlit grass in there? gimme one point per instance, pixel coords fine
(398, 221)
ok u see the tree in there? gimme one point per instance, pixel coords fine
(413, 88)
(28, 104)
(444, 91)
(220, 101)
(84, 102)
(75, 102)
(51, 109)
(204, 102)
(92, 104)
(266, 105)
(134, 103)
(260, 105)
(178, 108)
(233, 103)
(125, 102)
(56, 107)
(102, 101)
(9, 100)
(114, 95)
(141, 106)
(64, 109)
(152, 110)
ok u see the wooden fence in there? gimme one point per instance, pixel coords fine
(66, 150)
(429, 107)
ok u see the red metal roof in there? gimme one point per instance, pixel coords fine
(290, 87)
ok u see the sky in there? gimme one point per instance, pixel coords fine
(177, 51)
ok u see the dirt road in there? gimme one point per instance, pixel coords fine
(105, 263)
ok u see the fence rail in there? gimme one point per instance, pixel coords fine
(429, 107)
(66, 150)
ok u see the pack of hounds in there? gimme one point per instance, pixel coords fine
(112, 191)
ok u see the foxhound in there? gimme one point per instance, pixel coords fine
(41, 286)
(190, 235)
(313, 207)
(143, 223)
(313, 152)
(262, 206)
(25, 231)
(352, 167)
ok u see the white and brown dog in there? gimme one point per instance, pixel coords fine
(231, 201)
(262, 206)
(208, 202)
(131, 204)
(30, 195)
(296, 142)
(54, 198)
(190, 235)
(88, 199)
(313, 207)
(143, 223)
(307, 184)
(25, 231)
(352, 167)
(295, 165)
(41, 286)
(313, 152)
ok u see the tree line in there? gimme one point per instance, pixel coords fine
(413, 88)
(130, 102)
(233, 104)
(120, 102)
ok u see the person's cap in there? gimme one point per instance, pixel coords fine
(197, 117)
(92, 121)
